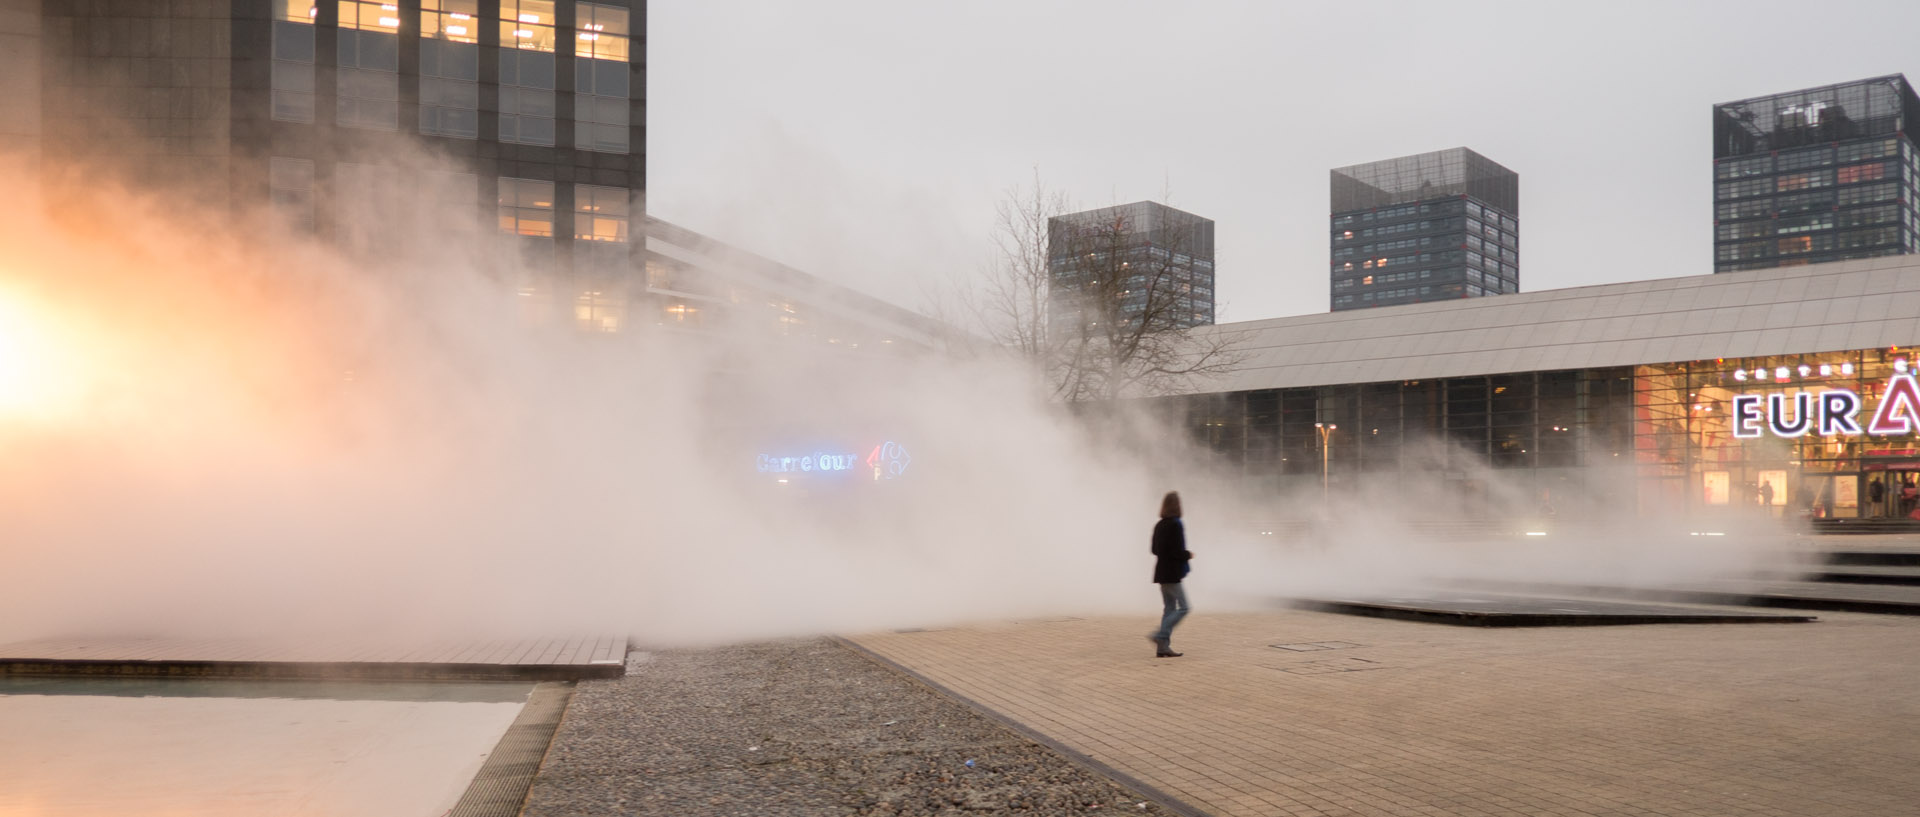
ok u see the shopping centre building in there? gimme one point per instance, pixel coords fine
(1789, 389)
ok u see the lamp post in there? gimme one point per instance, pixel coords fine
(1326, 429)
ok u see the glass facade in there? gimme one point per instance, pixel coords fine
(1791, 436)
(1437, 226)
(1816, 175)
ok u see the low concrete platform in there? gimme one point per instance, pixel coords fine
(1884, 599)
(1498, 610)
(1862, 574)
(540, 659)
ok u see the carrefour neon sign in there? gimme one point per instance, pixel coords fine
(1833, 412)
(887, 460)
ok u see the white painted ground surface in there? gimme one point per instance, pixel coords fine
(86, 755)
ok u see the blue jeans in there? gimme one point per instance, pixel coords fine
(1174, 595)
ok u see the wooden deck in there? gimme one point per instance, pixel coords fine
(541, 659)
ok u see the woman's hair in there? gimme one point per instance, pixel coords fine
(1170, 507)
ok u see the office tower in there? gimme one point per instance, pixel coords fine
(1431, 227)
(1146, 260)
(1816, 175)
(366, 124)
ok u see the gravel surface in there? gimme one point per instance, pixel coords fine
(804, 727)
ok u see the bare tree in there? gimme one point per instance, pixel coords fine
(1101, 304)
(1130, 286)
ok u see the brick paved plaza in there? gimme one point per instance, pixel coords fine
(1413, 719)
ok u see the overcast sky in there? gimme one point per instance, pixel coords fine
(867, 141)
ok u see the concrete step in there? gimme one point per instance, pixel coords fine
(1880, 557)
(1476, 609)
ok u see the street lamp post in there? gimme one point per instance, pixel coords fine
(1325, 430)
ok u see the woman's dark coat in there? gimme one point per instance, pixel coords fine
(1170, 545)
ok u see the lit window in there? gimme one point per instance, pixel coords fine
(449, 69)
(527, 24)
(601, 79)
(600, 213)
(526, 72)
(598, 311)
(526, 207)
(293, 48)
(369, 72)
(450, 20)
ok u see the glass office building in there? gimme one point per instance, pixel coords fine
(1156, 261)
(1437, 226)
(1788, 390)
(1816, 175)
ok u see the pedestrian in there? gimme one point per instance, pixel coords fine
(1876, 497)
(1170, 566)
(1766, 495)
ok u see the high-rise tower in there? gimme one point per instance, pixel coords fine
(1816, 175)
(1430, 227)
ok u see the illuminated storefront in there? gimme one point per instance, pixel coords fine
(1697, 394)
(1797, 434)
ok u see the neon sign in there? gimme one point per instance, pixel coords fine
(887, 460)
(1830, 413)
(806, 463)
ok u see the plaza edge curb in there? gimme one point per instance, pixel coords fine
(1158, 797)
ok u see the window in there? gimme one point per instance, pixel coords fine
(526, 71)
(1868, 238)
(1867, 193)
(290, 187)
(600, 311)
(601, 81)
(1869, 215)
(1807, 180)
(1805, 244)
(526, 207)
(1868, 150)
(455, 199)
(1803, 202)
(370, 205)
(292, 96)
(1742, 168)
(1743, 189)
(369, 72)
(1803, 159)
(1803, 224)
(449, 69)
(527, 25)
(600, 213)
(1743, 209)
(1863, 173)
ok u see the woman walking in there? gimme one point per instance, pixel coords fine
(1169, 567)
